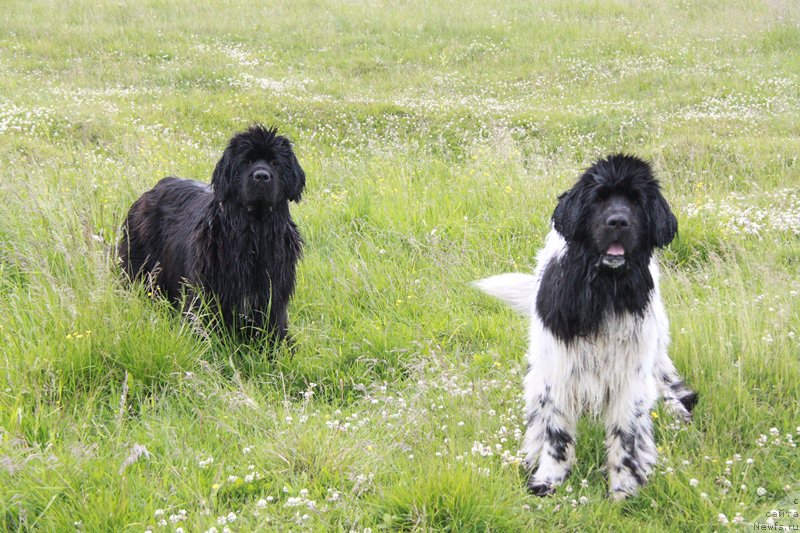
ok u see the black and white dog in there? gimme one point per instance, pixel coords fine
(599, 332)
(232, 242)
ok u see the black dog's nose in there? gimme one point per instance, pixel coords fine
(618, 221)
(262, 175)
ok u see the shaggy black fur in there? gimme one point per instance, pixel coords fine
(234, 242)
(616, 205)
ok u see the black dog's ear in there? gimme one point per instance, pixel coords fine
(663, 224)
(293, 174)
(568, 213)
(221, 178)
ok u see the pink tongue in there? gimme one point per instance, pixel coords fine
(615, 249)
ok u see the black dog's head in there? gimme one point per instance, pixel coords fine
(258, 171)
(616, 212)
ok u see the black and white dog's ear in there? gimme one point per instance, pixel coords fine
(221, 178)
(293, 174)
(568, 213)
(663, 224)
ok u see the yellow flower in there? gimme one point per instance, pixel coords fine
(654, 415)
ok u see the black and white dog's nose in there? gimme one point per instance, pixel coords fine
(262, 175)
(618, 221)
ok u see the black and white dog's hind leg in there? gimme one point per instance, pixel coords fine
(678, 398)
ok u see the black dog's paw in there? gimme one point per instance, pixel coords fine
(290, 344)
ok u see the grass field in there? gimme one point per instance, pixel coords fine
(435, 138)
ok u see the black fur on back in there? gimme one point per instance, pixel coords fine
(577, 292)
(234, 240)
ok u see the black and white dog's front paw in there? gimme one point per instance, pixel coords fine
(619, 495)
(540, 488)
(544, 481)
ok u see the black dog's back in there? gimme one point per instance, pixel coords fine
(159, 230)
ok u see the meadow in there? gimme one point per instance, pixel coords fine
(436, 138)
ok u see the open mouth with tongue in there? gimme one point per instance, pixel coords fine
(614, 256)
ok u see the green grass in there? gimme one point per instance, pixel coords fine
(435, 139)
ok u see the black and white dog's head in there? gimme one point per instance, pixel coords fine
(258, 172)
(616, 213)
(612, 219)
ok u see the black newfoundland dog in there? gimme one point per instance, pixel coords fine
(233, 242)
(599, 331)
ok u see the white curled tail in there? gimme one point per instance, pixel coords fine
(515, 289)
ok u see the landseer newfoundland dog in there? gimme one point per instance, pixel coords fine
(599, 332)
(233, 243)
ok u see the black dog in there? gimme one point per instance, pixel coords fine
(233, 242)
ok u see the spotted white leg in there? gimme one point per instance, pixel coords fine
(630, 446)
(549, 438)
(678, 398)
